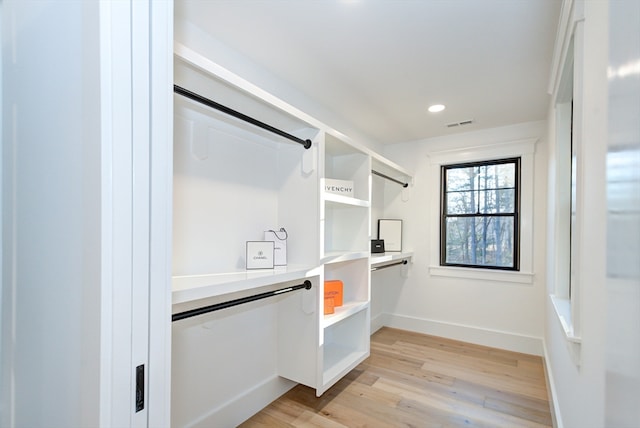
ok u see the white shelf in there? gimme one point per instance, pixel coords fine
(391, 169)
(194, 287)
(382, 258)
(343, 312)
(343, 256)
(247, 93)
(345, 200)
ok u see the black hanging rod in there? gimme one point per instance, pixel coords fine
(223, 305)
(210, 103)
(379, 174)
(403, 262)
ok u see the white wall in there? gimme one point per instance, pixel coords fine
(76, 261)
(577, 371)
(508, 314)
(622, 359)
(596, 382)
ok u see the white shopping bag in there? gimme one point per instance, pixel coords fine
(279, 238)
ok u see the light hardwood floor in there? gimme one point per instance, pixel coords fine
(415, 380)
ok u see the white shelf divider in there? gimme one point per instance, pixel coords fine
(345, 200)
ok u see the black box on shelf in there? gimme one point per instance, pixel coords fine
(377, 245)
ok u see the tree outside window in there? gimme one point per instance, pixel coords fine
(480, 205)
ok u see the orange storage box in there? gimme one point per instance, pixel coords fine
(333, 289)
(329, 308)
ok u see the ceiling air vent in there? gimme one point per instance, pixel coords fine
(461, 123)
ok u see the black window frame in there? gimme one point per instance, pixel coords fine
(515, 215)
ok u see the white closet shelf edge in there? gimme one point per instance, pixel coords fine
(377, 259)
(188, 288)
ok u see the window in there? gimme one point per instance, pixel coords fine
(480, 206)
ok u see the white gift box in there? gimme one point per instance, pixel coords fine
(338, 187)
(279, 238)
(260, 254)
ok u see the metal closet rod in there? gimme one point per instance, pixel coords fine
(231, 112)
(223, 305)
(403, 262)
(379, 174)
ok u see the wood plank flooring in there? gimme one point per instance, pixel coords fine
(415, 380)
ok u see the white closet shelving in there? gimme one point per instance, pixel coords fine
(345, 227)
(233, 181)
(396, 183)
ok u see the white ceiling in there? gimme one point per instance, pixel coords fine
(380, 63)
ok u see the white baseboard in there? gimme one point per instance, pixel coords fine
(551, 390)
(240, 408)
(378, 322)
(465, 333)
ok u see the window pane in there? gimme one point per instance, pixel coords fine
(481, 241)
(481, 189)
(462, 202)
(460, 179)
(496, 176)
(497, 201)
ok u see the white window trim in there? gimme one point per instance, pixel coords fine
(525, 149)
(566, 84)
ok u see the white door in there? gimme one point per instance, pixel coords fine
(85, 302)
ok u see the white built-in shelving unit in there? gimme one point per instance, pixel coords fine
(345, 228)
(232, 182)
(396, 183)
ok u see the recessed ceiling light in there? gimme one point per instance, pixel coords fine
(436, 108)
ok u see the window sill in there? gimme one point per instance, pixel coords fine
(482, 274)
(562, 309)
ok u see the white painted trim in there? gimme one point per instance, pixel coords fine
(470, 334)
(561, 45)
(241, 407)
(106, 233)
(551, 389)
(378, 322)
(115, 97)
(563, 310)
(4, 394)
(525, 149)
(501, 150)
(483, 274)
(141, 170)
(161, 207)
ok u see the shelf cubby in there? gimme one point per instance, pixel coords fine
(346, 344)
